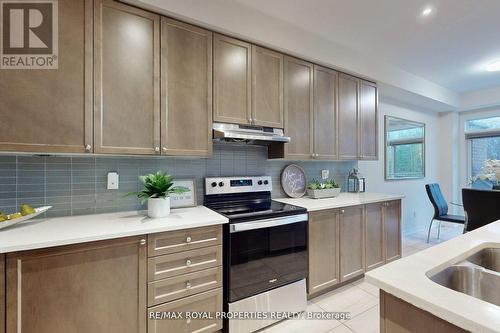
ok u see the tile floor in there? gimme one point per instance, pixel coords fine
(359, 298)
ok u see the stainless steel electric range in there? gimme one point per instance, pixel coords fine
(265, 250)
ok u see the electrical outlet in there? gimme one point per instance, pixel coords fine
(325, 174)
(113, 180)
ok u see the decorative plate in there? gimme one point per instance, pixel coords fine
(38, 211)
(294, 181)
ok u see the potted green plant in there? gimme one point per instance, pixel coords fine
(327, 189)
(157, 189)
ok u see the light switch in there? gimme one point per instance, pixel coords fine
(325, 174)
(112, 180)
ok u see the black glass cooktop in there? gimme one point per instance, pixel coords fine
(239, 208)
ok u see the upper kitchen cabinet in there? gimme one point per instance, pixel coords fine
(368, 121)
(348, 117)
(186, 94)
(299, 108)
(50, 110)
(325, 113)
(232, 80)
(126, 79)
(267, 87)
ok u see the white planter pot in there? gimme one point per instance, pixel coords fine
(323, 193)
(158, 207)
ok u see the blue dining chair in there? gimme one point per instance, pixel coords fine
(440, 208)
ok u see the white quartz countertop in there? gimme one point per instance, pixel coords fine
(47, 232)
(407, 279)
(343, 200)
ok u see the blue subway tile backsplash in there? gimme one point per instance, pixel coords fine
(77, 185)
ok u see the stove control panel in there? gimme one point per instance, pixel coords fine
(225, 185)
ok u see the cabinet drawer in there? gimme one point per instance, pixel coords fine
(183, 240)
(184, 262)
(210, 302)
(176, 287)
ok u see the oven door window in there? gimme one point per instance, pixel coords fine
(263, 259)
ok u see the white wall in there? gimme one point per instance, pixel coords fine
(417, 209)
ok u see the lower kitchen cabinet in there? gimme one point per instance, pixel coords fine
(352, 244)
(397, 316)
(392, 226)
(346, 242)
(207, 302)
(185, 274)
(97, 287)
(374, 224)
(323, 250)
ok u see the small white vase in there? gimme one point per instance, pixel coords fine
(158, 207)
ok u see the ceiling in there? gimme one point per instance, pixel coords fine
(449, 47)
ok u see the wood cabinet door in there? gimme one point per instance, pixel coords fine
(186, 93)
(352, 242)
(392, 225)
(368, 121)
(374, 226)
(51, 110)
(325, 113)
(348, 117)
(298, 108)
(267, 87)
(95, 287)
(323, 250)
(232, 80)
(208, 302)
(126, 79)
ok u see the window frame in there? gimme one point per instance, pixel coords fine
(470, 135)
(386, 121)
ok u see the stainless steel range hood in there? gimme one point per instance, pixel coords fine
(248, 134)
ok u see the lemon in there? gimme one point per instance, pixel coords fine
(14, 216)
(26, 210)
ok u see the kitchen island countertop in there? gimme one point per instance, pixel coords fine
(407, 279)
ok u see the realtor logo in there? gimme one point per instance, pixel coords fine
(29, 34)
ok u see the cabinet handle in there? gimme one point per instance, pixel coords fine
(188, 262)
(142, 242)
(188, 239)
(164, 149)
(188, 285)
(88, 148)
(250, 120)
(157, 149)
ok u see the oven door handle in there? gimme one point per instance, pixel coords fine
(268, 223)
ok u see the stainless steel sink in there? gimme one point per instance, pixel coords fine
(474, 281)
(488, 258)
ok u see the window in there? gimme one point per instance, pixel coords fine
(405, 149)
(484, 137)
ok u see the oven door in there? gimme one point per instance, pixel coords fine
(266, 254)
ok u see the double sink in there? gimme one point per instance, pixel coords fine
(477, 276)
